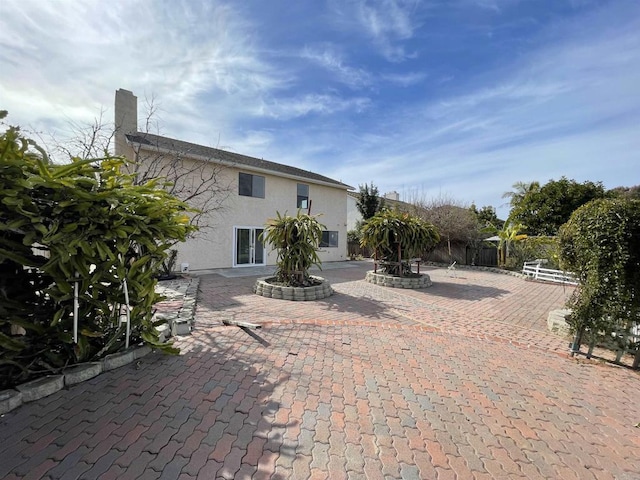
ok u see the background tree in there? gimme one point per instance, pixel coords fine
(369, 201)
(195, 179)
(544, 211)
(520, 191)
(455, 223)
(601, 244)
(510, 233)
(626, 192)
(487, 218)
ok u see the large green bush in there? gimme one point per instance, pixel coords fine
(396, 238)
(296, 240)
(82, 222)
(533, 248)
(601, 245)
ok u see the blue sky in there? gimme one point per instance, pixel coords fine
(454, 98)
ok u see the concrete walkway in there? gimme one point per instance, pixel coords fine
(457, 381)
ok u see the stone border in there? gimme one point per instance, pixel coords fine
(50, 384)
(383, 280)
(301, 294)
(177, 324)
(557, 324)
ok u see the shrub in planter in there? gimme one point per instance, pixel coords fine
(87, 223)
(296, 239)
(397, 237)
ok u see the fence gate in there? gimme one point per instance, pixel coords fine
(484, 256)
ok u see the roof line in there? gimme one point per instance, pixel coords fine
(170, 145)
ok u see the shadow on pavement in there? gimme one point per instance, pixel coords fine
(467, 291)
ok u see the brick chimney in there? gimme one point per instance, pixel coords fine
(126, 119)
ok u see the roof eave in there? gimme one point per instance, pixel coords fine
(240, 166)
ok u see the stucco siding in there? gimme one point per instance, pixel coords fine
(214, 245)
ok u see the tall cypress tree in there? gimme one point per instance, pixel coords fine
(369, 201)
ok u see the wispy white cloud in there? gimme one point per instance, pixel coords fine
(324, 104)
(571, 107)
(404, 79)
(76, 55)
(387, 23)
(562, 101)
(328, 57)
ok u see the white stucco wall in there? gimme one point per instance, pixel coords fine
(213, 247)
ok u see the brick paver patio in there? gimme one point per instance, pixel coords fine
(457, 381)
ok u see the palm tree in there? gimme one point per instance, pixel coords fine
(521, 190)
(510, 233)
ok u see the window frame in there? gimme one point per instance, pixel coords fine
(257, 187)
(330, 237)
(302, 201)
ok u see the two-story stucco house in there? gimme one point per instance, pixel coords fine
(252, 190)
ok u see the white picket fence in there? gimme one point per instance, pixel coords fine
(535, 271)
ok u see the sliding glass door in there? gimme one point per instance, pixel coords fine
(249, 250)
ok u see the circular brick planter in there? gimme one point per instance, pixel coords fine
(422, 281)
(263, 288)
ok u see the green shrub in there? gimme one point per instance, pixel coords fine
(533, 248)
(82, 222)
(601, 245)
(398, 237)
(296, 240)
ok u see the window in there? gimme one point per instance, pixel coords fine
(329, 239)
(251, 185)
(303, 195)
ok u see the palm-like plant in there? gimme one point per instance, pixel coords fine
(521, 190)
(397, 237)
(510, 233)
(296, 239)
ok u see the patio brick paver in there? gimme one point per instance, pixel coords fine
(370, 383)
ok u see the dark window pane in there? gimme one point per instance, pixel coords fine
(258, 186)
(259, 249)
(303, 196)
(251, 185)
(329, 239)
(325, 239)
(245, 184)
(333, 239)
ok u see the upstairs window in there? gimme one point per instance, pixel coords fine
(329, 239)
(303, 196)
(251, 185)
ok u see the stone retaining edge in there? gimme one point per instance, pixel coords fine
(43, 387)
(11, 399)
(180, 323)
(384, 280)
(299, 294)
